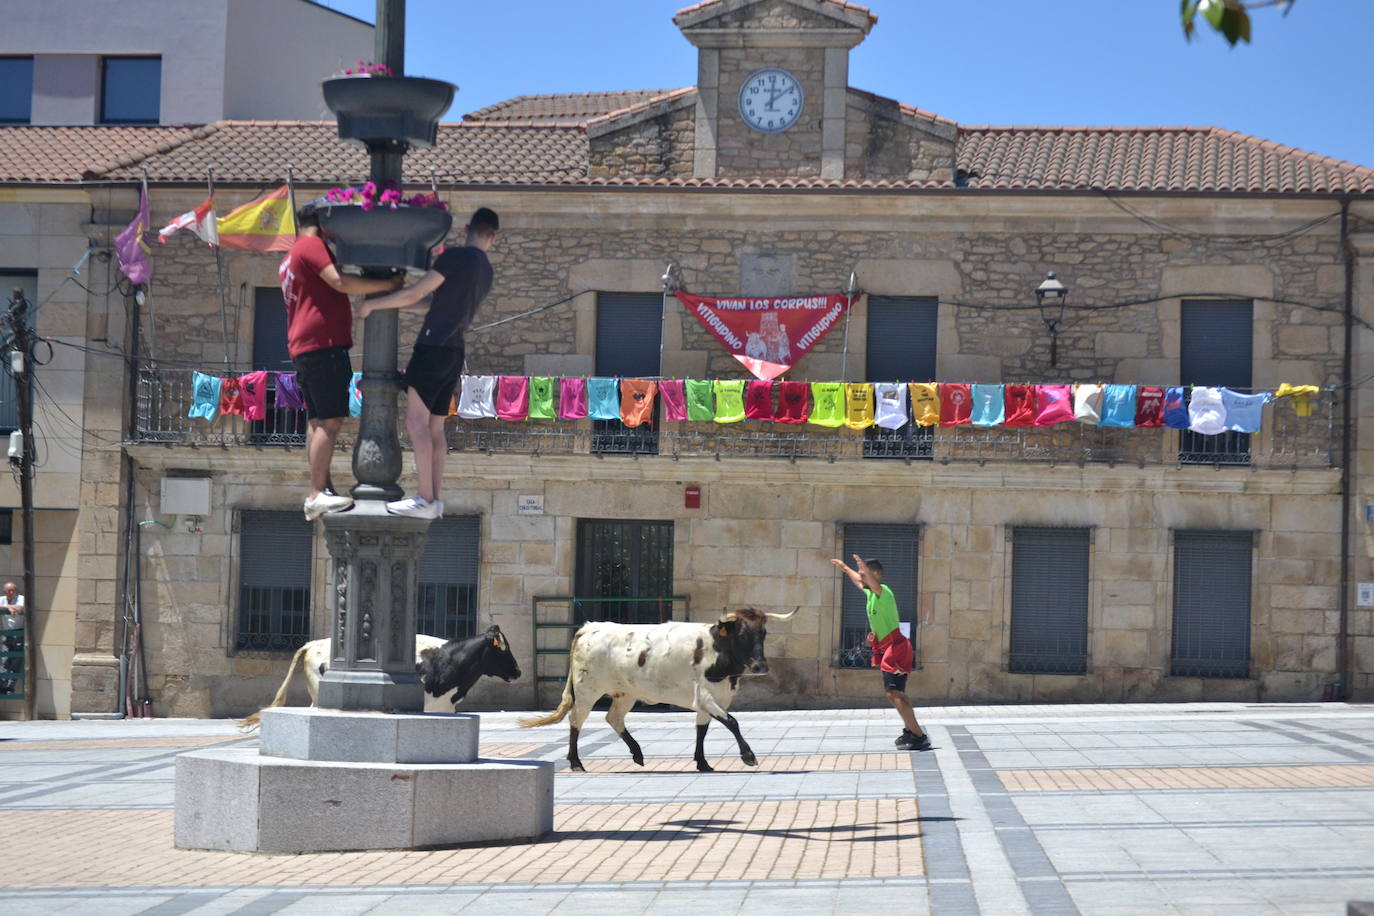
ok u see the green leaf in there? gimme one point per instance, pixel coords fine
(1235, 25)
(1188, 12)
(1214, 11)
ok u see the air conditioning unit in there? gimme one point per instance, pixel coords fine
(186, 496)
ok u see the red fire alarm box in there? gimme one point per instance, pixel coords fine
(692, 498)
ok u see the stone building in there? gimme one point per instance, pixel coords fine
(1071, 563)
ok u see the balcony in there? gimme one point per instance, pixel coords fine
(1286, 440)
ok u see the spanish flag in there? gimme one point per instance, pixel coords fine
(265, 224)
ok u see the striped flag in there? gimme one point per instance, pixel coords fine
(265, 224)
(201, 221)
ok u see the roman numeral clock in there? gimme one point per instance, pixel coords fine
(770, 100)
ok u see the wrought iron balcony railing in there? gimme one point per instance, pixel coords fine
(1286, 440)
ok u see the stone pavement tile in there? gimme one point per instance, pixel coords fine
(1126, 896)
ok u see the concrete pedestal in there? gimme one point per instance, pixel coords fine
(326, 780)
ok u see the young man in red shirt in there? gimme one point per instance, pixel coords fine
(319, 333)
(452, 290)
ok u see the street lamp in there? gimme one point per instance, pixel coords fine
(1051, 295)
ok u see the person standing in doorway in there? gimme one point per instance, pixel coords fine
(891, 649)
(319, 334)
(11, 607)
(454, 287)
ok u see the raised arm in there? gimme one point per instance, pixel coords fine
(405, 298)
(866, 579)
(852, 574)
(350, 285)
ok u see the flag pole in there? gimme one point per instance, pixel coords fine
(849, 293)
(219, 273)
(291, 197)
(152, 315)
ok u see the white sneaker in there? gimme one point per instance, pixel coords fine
(326, 501)
(415, 507)
(440, 504)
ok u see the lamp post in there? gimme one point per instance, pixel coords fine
(1051, 295)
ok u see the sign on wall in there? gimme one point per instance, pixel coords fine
(767, 335)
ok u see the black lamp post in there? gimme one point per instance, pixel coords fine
(1051, 295)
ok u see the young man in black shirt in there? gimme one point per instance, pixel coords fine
(452, 290)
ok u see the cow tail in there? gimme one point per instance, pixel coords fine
(255, 719)
(565, 705)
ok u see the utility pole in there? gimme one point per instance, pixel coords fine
(22, 366)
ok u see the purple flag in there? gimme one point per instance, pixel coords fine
(131, 248)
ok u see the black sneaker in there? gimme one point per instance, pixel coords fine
(903, 738)
(912, 742)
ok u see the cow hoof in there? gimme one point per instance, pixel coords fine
(704, 767)
(749, 759)
(577, 767)
(639, 759)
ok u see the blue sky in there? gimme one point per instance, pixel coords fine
(1072, 62)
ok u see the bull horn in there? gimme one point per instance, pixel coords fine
(787, 616)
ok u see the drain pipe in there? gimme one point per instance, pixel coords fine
(1347, 477)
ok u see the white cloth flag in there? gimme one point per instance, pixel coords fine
(201, 221)
(478, 398)
(892, 413)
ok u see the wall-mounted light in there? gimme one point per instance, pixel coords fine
(1051, 295)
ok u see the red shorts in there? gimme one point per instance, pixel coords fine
(893, 653)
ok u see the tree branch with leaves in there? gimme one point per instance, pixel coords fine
(1229, 17)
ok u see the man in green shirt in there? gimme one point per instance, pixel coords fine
(891, 650)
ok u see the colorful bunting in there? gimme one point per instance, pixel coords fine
(513, 397)
(729, 395)
(603, 399)
(637, 401)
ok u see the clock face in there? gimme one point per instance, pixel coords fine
(770, 100)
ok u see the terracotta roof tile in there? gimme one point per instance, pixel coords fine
(1204, 159)
(567, 106)
(36, 154)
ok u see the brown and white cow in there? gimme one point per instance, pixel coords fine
(693, 665)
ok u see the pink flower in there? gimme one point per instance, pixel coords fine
(391, 196)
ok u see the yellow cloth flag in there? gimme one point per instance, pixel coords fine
(1301, 395)
(858, 405)
(925, 403)
(265, 224)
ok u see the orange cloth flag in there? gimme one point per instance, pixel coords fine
(265, 224)
(637, 401)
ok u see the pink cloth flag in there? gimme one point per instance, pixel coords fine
(254, 388)
(673, 393)
(1053, 404)
(513, 397)
(572, 398)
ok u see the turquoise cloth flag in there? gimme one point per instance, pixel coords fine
(355, 395)
(989, 405)
(205, 398)
(603, 399)
(1118, 406)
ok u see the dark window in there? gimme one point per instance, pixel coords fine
(6, 526)
(27, 280)
(624, 571)
(16, 90)
(629, 335)
(901, 348)
(282, 425)
(897, 547)
(1049, 600)
(1211, 633)
(447, 598)
(1216, 349)
(131, 90)
(274, 581)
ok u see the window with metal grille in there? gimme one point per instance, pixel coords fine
(16, 90)
(10, 280)
(629, 335)
(624, 571)
(1049, 600)
(131, 90)
(447, 591)
(274, 581)
(897, 547)
(1216, 349)
(281, 425)
(901, 348)
(6, 526)
(1211, 631)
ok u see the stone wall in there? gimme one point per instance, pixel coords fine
(796, 152)
(657, 145)
(883, 142)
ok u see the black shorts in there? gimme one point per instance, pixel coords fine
(433, 373)
(894, 681)
(324, 377)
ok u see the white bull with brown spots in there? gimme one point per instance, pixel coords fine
(693, 665)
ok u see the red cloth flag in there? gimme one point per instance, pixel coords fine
(767, 335)
(1053, 404)
(794, 401)
(956, 404)
(1018, 405)
(1149, 406)
(201, 221)
(758, 400)
(231, 398)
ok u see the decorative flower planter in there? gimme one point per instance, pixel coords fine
(378, 110)
(381, 237)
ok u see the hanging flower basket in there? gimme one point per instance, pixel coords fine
(378, 110)
(382, 237)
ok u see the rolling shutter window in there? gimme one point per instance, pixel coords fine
(1216, 343)
(901, 338)
(1211, 632)
(897, 547)
(1049, 600)
(274, 581)
(629, 330)
(269, 330)
(448, 570)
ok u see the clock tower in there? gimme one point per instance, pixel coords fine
(772, 85)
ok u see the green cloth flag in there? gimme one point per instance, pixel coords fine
(700, 405)
(729, 400)
(541, 398)
(829, 400)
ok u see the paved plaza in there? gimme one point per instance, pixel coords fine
(1187, 808)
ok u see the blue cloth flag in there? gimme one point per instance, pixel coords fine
(1118, 406)
(1176, 408)
(603, 399)
(1243, 411)
(989, 405)
(205, 396)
